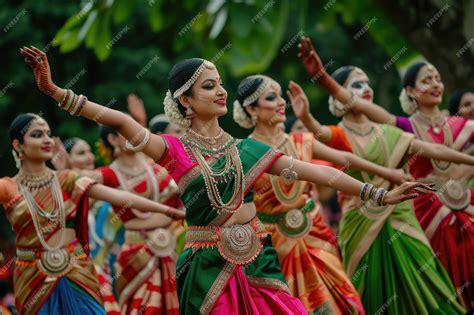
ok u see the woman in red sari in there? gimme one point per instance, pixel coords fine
(48, 214)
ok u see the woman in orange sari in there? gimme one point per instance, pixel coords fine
(48, 214)
(306, 246)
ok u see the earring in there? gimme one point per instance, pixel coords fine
(17, 159)
(254, 120)
(189, 112)
(116, 149)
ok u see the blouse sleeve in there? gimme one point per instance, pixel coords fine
(7, 190)
(74, 184)
(108, 177)
(404, 124)
(339, 139)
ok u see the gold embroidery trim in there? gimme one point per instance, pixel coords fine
(268, 283)
(216, 288)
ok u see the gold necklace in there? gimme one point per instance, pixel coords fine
(436, 122)
(420, 127)
(271, 139)
(232, 169)
(359, 151)
(362, 130)
(35, 181)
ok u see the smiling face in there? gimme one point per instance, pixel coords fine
(428, 90)
(358, 83)
(208, 99)
(37, 142)
(271, 106)
(81, 156)
(466, 105)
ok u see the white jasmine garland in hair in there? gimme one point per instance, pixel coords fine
(408, 104)
(173, 113)
(240, 117)
(336, 108)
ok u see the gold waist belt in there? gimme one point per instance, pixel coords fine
(239, 244)
(160, 241)
(455, 194)
(54, 263)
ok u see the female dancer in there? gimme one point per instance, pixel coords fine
(306, 247)
(379, 142)
(229, 264)
(461, 103)
(48, 213)
(146, 266)
(105, 233)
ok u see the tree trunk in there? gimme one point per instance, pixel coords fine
(436, 29)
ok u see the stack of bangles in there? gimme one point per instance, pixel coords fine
(72, 103)
(370, 192)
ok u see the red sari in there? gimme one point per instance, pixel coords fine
(448, 221)
(145, 273)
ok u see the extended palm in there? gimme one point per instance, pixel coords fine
(38, 62)
(406, 191)
(299, 101)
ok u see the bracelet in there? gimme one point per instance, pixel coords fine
(410, 147)
(289, 176)
(67, 99)
(141, 145)
(367, 191)
(82, 100)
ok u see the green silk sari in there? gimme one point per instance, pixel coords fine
(202, 274)
(384, 249)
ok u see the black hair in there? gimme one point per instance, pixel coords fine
(104, 131)
(70, 143)
(246, 87)
(179, 75)
(159, 126)
(455, 100)
(409, 79)
(20, 126)
(341, 74)
(289, 122)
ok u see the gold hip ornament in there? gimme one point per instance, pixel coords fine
(238, 244)
(56, 263)
(162, 242)
(295, 225)
(455, 195)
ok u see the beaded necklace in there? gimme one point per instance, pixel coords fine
(199, 148)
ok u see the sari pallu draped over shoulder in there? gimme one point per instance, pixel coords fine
(32, 286)
(207, 282)
(306, 247)
(384, 249)
(447, 217)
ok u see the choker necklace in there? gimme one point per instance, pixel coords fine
(362, 130)
(436, 122)
(35, 181)
(209, 140)
(271, 139)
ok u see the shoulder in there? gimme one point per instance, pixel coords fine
(8, 189)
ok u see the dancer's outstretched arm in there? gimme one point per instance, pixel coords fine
(317, 71)
(126, 199)
(125, 125)
(441, 152)
(328, 176)
(352, 161)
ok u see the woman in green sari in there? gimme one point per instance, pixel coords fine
(229, 265)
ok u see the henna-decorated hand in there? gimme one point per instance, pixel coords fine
(38, 63)
(315, 67)
(298, 100)
(407, 191)
(137, 109)
(175, 213)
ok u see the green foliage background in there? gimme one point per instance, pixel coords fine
(103, 50)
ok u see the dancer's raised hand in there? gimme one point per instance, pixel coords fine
(315, 67)
(38, 62)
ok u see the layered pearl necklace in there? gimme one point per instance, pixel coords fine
(199, 148)
(57, 214)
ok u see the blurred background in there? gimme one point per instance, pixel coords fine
(107, 49)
